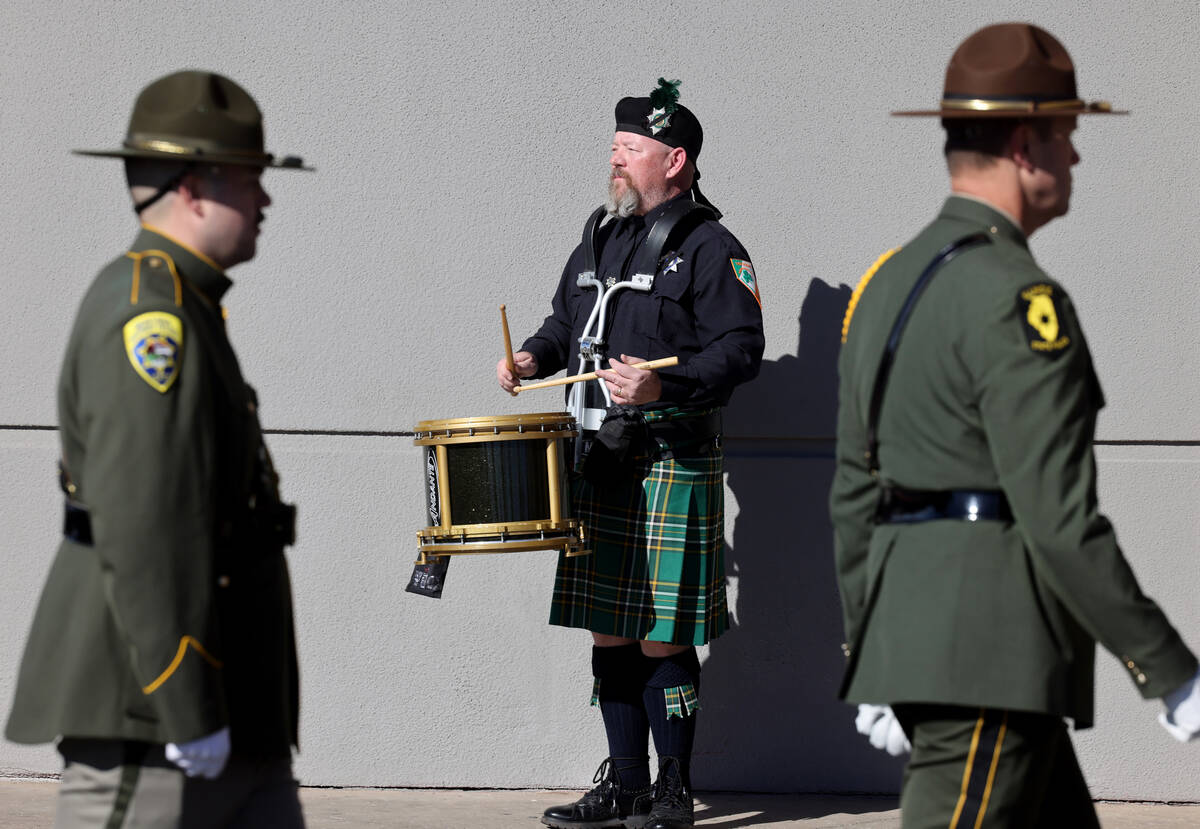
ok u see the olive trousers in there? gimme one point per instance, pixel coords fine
(977, 768)
(122, 784)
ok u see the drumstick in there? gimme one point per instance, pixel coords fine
(591, 375)
(508, 346)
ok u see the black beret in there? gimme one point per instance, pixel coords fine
(661, 117)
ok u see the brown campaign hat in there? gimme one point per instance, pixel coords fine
(1012, 70)
(197, 116)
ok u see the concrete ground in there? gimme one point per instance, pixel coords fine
(28, 804)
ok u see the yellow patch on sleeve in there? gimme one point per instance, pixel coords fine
(1040, 308)
(154, 345)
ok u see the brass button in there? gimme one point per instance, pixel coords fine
(993, 229)
(1130, 665)
(154, 262)
(223, 581)
(1141, 679)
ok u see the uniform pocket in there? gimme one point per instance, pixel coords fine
(673, 301)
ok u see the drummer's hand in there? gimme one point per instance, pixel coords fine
(526, 365)
(629, 385)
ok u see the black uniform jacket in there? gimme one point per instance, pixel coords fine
(704, 308)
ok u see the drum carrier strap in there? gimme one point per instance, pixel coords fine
(591, 240)
(900, 505)
(652, 248)
(679, 217)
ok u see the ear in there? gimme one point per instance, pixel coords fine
(676, 159)
(1018, 147)
(192, 192)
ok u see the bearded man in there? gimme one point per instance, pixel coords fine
(673, 282)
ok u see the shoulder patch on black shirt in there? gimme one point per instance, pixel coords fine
(744, 271)
(1040, 307)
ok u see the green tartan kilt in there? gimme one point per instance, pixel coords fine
(657, 566)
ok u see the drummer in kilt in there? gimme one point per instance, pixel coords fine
(649, 486)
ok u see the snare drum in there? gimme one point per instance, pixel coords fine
(497, 485)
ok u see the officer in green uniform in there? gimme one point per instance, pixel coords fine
(162, 651)
(976, 572)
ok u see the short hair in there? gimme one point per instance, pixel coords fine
(981, 141)
(152, 172)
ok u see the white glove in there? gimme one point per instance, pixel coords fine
(1182, 717)
(879, 724)
(202, 757)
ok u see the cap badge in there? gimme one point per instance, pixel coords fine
(664, 100)
(658, 120)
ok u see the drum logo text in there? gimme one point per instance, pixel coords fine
(431, 475)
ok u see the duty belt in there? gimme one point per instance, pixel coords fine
(271, 522)
(77, 524)
(913, 506)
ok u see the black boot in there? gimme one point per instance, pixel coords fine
(606, 805)
(672, 807)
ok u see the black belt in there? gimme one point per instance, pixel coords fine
(274, 523)
(77, 524)
(687, 428)
(913, 506)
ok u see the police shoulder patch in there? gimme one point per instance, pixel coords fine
(1040, 308)
(154, 344)
(744, 271)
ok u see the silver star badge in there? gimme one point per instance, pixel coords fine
(673, 265)
(657, 125)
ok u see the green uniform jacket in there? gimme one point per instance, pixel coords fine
(992, 388)
(177, 620)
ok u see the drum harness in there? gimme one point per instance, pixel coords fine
(900, 505)
(680, 215)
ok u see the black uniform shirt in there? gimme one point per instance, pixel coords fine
(704, 307)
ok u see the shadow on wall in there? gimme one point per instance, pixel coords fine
(772, 722)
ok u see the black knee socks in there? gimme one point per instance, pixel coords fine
(671, 699)
(622, 673)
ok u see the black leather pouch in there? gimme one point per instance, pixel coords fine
(622, 437)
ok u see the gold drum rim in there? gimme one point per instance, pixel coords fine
(498, 427)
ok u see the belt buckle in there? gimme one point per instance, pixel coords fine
(973, 508)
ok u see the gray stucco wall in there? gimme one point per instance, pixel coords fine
(459, 148)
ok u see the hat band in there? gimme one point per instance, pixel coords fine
(1020, 106)
(159, 146)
